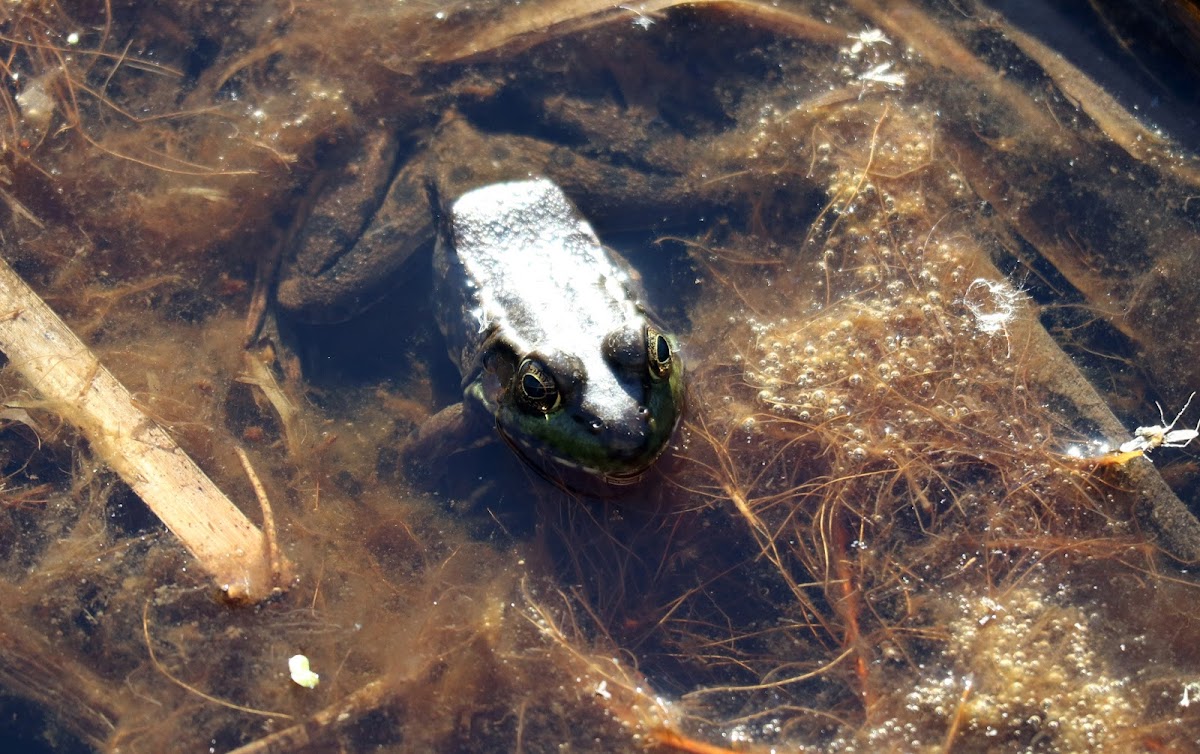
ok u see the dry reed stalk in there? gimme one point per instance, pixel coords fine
(70, 378)
(1156, 506)
(536, 22)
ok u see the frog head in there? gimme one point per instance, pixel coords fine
(609, 413)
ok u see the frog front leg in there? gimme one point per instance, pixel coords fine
(426, 455)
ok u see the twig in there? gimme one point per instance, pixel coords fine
(258, 374)
(280, 575)
(60, 367)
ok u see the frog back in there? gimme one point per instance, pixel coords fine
(517, 264)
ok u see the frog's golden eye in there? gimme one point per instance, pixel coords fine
(658, 354)
(536, 390)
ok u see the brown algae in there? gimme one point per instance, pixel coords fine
(887, 524)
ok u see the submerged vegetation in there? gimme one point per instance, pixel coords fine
(892, 519)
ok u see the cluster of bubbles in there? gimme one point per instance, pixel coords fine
(896, 336)
(878, 369)
(1020, 669)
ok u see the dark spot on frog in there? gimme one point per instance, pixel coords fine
(461, 174)
(322, 225)
(562, 158)
(615, 182)
(385, 236)
(341, 237)
(500, 153)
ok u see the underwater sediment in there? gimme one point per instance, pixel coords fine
(922, 305)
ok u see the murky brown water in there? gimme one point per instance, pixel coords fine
(927, 275)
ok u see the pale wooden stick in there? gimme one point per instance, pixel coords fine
(64, 371)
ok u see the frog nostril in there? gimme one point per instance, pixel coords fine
(643, 412)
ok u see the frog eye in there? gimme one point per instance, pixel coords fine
(536, 389)
(658, 353)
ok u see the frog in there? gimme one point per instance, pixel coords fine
(558, 349)
(551, 334)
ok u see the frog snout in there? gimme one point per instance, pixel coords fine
(629, 434)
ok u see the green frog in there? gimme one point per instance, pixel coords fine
(550, 330)
(551, 336)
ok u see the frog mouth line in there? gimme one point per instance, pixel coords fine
(544, 462)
